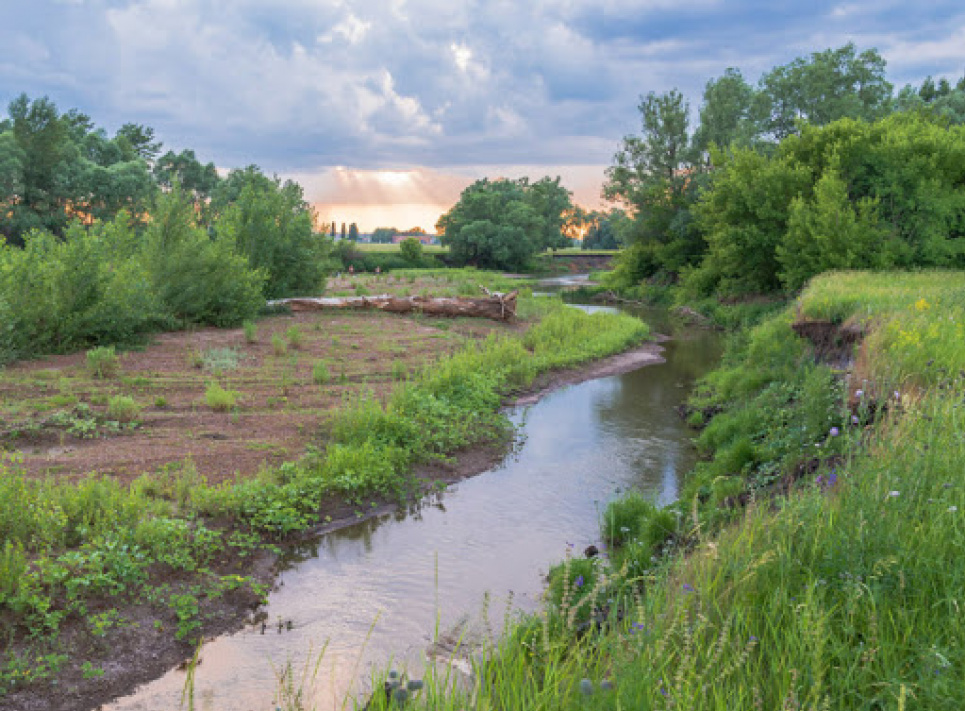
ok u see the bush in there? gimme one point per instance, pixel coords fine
(102, 362)
(320, 373)
(123, 408)
(220, 399)
(411, 251)
(251, 331)
(278, 345)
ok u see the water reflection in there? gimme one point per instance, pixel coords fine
(421, 569)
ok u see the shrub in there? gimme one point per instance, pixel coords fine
(220, 399)
(102, 362)
(251, 331)
(217, 360)
(123, 408)
(294, 336)
(278, 345)
(320, 373)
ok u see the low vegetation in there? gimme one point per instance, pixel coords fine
(811, 562)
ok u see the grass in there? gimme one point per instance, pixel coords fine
(219, 399)
(844, 594)
(102, 362)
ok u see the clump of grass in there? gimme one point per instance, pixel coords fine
(251, 331)
(294, 336)
(102, 362)
(219, 399)
(278, 345)
(160, 401)
(218, 360)
(399, 370)
(321, 373)
(123, 408)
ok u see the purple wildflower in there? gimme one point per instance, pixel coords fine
(835, 432)
(688, 588)
(859, 393)
(579, 581)
(855, 420)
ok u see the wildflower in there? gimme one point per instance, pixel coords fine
(753, 638)
(952, 509)
(859, 393)
(579, 581)
(688, 588)
(894, 493)
(832, 478)
(855, 420)
(586, 687)
(835, 432)
(897, 395)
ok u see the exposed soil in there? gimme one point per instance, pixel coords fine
(833, 343)
(280, 408)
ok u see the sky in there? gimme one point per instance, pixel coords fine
(384, 110)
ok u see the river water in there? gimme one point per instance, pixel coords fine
(377, 593)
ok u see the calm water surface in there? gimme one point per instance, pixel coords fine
(376, 592)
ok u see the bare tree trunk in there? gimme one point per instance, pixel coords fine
(496, 306)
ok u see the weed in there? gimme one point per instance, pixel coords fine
(102, 362)
(123, 408)
(278, 345)
(251, 331)
(294, 336)
(219, 360)
(320, 373)
(219, 399)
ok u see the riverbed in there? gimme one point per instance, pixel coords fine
(378, 593)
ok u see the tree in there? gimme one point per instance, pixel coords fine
(271, 224)
(411, 251)
(197, 180)
(492, 226)
(655, 177)
(353, 232)
(726, 116)
(551, 201)
(603, 229)
(344, 231)
(833, 84)
(139, 141)
(384, 235)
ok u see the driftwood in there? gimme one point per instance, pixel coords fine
(497, 306)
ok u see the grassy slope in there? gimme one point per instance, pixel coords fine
(845, 595)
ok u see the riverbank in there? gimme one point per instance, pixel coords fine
(172, 544)
(813, 561)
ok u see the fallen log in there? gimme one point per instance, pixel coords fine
(499, 307)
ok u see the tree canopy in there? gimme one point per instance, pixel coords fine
(502, 224)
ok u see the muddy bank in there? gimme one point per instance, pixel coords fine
(142, 649)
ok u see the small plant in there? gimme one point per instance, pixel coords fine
(219, 399)
(251, 331)
(218, 360)
(320, 373)
(362, 291)
(294, 336)
(278, 345)
(160, 401)
(188, 611)
(102, 362)
(123, 408)
(399, 370)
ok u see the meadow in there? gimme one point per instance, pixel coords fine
(813, 560)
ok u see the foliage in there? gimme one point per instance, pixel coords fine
(123, 408)
(411, 251)
(847, 195)
(102, 362)
(502, 224)
(271, 224)
(198, 279)
(217, 398)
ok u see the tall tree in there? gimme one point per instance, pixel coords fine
(353, 232)
(726, 116)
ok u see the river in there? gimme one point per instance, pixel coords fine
(375, 594)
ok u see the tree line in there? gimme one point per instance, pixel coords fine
(106, 239)
(819, 166)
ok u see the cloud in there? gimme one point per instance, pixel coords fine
(298, 85)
